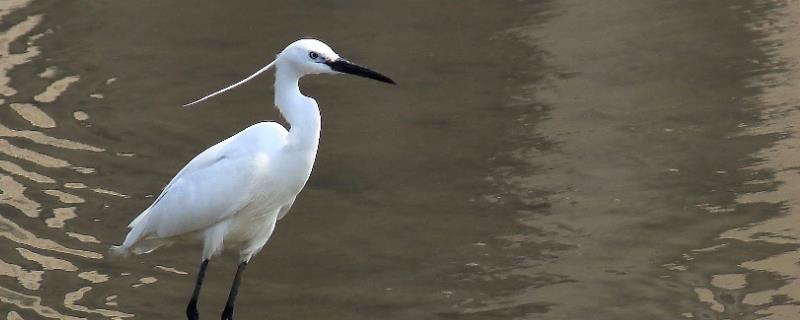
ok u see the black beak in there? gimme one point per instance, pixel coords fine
(344, 66)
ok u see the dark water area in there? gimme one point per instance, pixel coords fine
(538, 159)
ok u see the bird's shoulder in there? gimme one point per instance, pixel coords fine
(265, 130)
(258, 138)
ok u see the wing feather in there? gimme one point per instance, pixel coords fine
(212, 186)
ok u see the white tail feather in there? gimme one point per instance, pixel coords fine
(119, 251)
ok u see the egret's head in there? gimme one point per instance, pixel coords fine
(311, 56)
(307, 56)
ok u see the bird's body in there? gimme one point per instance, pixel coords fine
(233, 193)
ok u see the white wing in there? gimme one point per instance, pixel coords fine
(211, 187)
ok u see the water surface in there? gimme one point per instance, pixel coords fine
(538, 159)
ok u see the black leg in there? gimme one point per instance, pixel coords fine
(191, 309)
(227, 314)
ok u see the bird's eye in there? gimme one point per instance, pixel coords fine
(313, 55)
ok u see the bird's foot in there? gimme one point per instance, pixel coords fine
(227, 314)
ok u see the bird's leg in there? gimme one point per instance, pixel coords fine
(191, 309)
(227, 314)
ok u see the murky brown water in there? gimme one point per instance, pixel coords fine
(624, 159)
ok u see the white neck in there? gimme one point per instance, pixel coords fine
(300, 111)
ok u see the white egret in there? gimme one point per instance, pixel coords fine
(233, 193)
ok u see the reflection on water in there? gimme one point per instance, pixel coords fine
(46, 256)
(72, 297)
(778, 97)
(14, 232)
(33, 303)
(47, 262)
(55, 89)
(60, 216)
(661, 152)
(28, 279)
(8, 59)
(34, 115)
